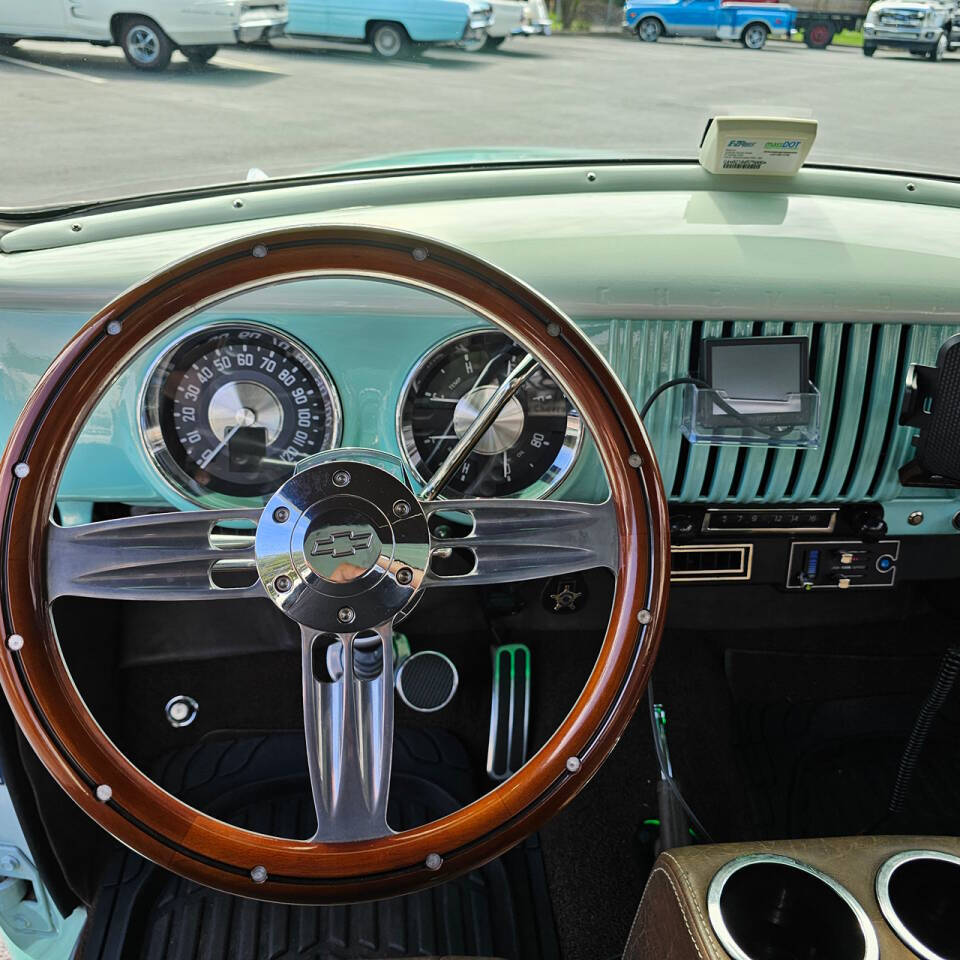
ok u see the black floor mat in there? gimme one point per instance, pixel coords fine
(143, 911)
(820, 738)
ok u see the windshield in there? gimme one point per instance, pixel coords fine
(119, 105)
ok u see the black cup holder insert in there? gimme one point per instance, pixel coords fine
(919, 894)
(769, 907)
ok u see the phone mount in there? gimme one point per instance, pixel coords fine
(932, 404)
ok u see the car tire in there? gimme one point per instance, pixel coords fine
(939, 48)
(754, 36)
(389, 40)
(199, 55)
(818, 35)
(869, 49)
(144, 44)
(493, 43)
(649, 30)
(474, 44)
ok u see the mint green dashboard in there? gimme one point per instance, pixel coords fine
(648, 259)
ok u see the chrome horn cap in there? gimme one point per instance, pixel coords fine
(335, 552)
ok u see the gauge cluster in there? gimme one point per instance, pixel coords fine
(228, 411)
(532, 443)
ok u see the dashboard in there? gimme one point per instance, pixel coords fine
(649, 260)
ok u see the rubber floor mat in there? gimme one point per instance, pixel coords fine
(818, 763)
(500, 910)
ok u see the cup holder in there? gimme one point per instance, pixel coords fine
(919, 894)
(768, 907)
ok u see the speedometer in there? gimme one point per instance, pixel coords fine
(532, 443)
(232, 408)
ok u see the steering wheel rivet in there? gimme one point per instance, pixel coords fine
(281, 515)
(635, 460)
(346, 615)
(644, 617)
(434, 861)
(401, 508)
(419, 253)
(15, 641)
(114, 327)
(591, 176)
(259, 874)
(341, 478)
(76, 227)
(21, 470)
(404, 576)
(282, 583)
(259, 251)
(553, 329)
(104, 792)
(573, 764)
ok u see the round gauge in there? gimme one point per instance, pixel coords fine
(532, 443)
(232, 408)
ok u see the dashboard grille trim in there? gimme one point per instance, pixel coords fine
(860, 370)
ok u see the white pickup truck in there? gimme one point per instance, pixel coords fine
(148, 31)
(925, 29)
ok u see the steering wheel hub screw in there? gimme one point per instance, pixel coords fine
(282, 583)
(15, 641)
(281, 515)
(644, 617)
(419, 254)
(404, 576)
(259, 251)
(114, 327)
(104, 792)
(553, 329)
(634, 460)
(401, 508)
(258, 874)
(341, 478)
(346, 615)
(434, 861)
(21, 470)
(573, 764)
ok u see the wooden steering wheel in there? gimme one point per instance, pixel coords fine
(349, 720)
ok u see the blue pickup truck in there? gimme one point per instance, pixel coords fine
(750, 23)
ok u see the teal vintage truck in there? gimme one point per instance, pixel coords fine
(394, 28)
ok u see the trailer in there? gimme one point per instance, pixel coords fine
(820, 20)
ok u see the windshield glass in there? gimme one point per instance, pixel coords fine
(187, 95)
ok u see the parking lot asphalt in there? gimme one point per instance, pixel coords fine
(76, 122)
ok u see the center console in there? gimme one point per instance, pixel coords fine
(847, 898)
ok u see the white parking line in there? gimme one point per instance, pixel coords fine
(54, 70)
(241, 65)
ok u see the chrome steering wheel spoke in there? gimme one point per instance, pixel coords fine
(348, 725)
(525, 539)
(160, 556)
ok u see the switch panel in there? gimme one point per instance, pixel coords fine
(842, 564)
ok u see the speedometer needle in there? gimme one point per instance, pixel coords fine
(227, 437)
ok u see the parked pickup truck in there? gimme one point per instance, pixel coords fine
(394, 28)
(750, 23)
(148, 31)
(925, 29)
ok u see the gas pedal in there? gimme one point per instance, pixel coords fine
(509, 710)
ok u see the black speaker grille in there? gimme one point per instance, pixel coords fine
(427, 680)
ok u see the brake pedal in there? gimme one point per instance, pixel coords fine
(509, 710)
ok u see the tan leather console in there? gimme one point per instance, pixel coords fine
(672, 921)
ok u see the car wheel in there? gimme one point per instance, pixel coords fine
(199, 55)
(939, 49)
(649, 29)
(818, 35)
(476, 43)
(754, 36)
(869, 49)
(144, 44)
(389, 40)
